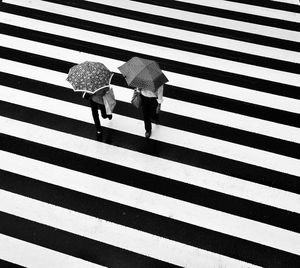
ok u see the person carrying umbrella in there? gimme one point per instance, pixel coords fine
(93, 79)
(148, 79)
(97, 103)
(150, 103)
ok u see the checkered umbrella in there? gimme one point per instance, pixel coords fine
(89, 77)
(143, 73)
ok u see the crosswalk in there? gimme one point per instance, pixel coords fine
(218, 182)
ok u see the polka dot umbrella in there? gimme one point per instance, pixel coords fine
(89, 77)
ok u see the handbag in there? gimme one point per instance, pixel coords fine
(136, 99)
(109, 101)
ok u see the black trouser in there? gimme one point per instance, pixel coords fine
(149, 106)
(95, 106)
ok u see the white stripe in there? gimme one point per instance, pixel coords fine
(154, 50)
(203, 19)
(180, 138)
(248, 9)
(113, 234)
(29, 255)
(295, 2)
(134, 197)
(151, 28)
(188, 82)
(233, 3)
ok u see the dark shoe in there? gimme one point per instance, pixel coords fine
(109, 116)
(99, 136)
(154, 121)
(99, 131)
(148, 134)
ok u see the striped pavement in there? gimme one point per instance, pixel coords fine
(218, 182)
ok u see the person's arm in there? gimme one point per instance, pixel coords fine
(160, 92)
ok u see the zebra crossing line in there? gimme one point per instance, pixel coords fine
(249, 9)
(261, 98)
(143, 243)
(177, 55)
(217, 185)
(166, 31)
(13, 250)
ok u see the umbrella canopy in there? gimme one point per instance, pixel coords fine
(143, 73)
(89, 76)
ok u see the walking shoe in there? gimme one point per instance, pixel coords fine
(109, 116)
(99, 131)
(99, 135)
(148, 134)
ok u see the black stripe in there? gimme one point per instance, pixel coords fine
(172, 43)
(6, 264)
(165, 227)
(232, 105)
(112, 211)
(217, 164)
(166, 64)
(248, 109)
(190, 26)
(224, 13)
(271, 4)
(183, 123)
(152, 147)
(74, 245)
(111, 136)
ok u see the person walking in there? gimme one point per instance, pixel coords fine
(151, 104)
(97, 103)
(94, 78)
(147, 78)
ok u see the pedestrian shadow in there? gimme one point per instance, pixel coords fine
(130, 141)
(150, 147)
(107, 136)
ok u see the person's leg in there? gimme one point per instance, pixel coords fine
(95, 114)
(154, 114)
(103, 111)
(146, 108)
